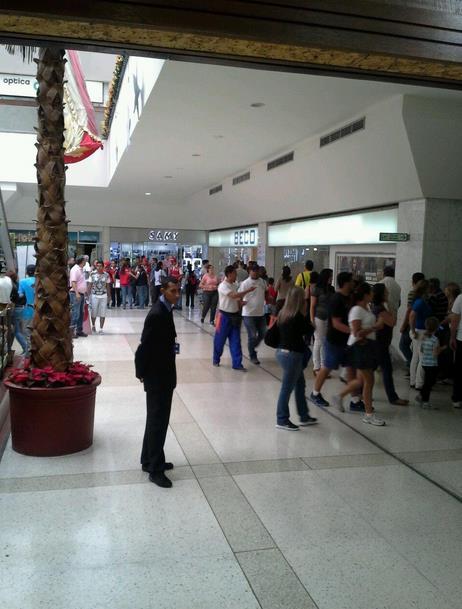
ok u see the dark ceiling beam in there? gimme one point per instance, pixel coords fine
(357, 37)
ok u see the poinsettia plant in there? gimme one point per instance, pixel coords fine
(78, 373)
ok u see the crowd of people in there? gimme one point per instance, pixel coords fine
(350, 327)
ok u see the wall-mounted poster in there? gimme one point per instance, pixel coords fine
(368, 267)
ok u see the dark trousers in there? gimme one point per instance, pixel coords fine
(210, 301)
(457, 389)
(158, 406)
(155, 293)
(190, 292)
(405, 346)
(430, 376)
(115, 296)
(384, 361)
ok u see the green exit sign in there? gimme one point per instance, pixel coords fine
(394, 237)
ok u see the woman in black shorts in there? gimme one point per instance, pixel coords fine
(362, 351)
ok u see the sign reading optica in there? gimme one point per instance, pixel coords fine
(23, 85)
(236, 237)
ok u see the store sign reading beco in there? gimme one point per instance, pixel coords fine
(245, 237)
(163, 235)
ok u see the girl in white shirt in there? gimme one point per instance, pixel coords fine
(362, 351)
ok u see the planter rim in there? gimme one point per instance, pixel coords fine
(96, 381)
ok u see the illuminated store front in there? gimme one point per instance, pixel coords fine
(228, 246)
(163, 244)
(342, 242)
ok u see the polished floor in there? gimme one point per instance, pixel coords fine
(336, 516)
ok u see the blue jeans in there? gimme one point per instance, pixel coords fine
(77, 308)
(228, 327)
(405, 346)
(256, 329)
(18, 328)
(293, 365)
(142, 293)
(126, 291)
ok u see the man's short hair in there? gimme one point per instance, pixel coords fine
(416, 277)
(309, 264)
(30, 270)
(389, 271)
(434, 283)
(229, 269)
(166, 280)
(79, 259)
(343, 278)
(253, 266)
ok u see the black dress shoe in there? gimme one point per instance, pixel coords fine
(167, 466)
(160, 479)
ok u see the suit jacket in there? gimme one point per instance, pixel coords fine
(155, 356)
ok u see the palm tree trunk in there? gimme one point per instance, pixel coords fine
(51, 342)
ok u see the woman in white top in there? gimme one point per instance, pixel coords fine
(362, 351)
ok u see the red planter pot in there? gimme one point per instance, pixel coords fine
(49, 422)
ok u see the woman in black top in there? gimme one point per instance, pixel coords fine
(141, 285)
(383, 340)
(293, 356)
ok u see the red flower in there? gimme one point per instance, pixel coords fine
(77, 374)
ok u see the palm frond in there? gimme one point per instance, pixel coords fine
(27, 52)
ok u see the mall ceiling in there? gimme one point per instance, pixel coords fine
(200, 125)
(206, 110)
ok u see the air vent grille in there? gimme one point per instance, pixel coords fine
(242, 178)
(216, 189)
(343, 132)
(287, 158)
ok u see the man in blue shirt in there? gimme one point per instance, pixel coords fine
(27, 288)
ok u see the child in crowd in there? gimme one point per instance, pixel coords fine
(429, 350)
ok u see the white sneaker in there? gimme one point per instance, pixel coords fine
(457, 404)
(93, 329)
(101, 332)
(337, 401)
(373, 420)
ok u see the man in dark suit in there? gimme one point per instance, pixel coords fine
(155, 367)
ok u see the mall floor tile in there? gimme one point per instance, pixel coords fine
(323, 518)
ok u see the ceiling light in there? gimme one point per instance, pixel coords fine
(147, 194)
(218, 137)
(257, 105)
(196, 154)
(168, 177)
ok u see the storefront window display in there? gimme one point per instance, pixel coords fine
(365, 266)
(295, 257)
(167, 251)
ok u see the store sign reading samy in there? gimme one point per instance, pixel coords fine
(163, 235)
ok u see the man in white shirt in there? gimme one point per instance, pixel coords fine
(100, 292)
(456, 346)
(253, 312)
(393, 289)
(228, 325)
